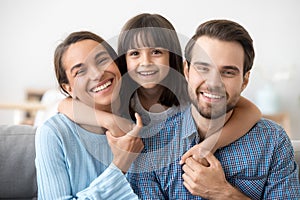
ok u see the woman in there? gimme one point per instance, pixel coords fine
(77, 161)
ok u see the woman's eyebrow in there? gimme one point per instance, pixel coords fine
(76, 67)
(99, 54)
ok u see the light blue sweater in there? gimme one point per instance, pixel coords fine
(73, 163)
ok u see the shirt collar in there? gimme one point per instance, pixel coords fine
(189, 127)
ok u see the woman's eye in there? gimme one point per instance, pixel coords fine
(79, 72)
(101, 61)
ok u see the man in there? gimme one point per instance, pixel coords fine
(259, 165)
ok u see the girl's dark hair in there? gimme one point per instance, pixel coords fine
(153, 30)
(62, 47)
(224, 30)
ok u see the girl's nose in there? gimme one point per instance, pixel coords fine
(145, 59)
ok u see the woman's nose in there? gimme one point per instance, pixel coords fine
(95, 73)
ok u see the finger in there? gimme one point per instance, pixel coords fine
(187, 170)
(139, 121)
(187, 154)
(212, 160)
(110, 137)
(139, 124)
(193, 164)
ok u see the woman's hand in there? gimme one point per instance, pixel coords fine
(126, 148)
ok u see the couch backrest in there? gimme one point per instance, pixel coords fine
(17, 168)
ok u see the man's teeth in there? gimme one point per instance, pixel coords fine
(147, 73)
(102, 87)
(212, 96)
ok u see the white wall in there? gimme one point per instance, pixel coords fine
(31, 29)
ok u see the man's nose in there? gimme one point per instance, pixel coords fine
(214, 79)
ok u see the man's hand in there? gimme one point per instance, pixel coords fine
(208, 181)
(126, 148)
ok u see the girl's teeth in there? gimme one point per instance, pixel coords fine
(146, 73)
(102, 87)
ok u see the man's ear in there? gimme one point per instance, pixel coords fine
(186, 70)
(68, 88)
(245, 80)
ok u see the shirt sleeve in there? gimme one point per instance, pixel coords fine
(111, 184)
(283, 182)
(54, 181)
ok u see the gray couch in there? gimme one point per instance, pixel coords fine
(17, 169)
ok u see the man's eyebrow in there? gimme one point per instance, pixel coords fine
(201, 63)
(76, 67)
(232, 67)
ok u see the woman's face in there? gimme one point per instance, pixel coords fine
(93, 75)
(148, 66)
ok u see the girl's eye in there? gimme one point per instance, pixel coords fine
(133, 53)
(156, 51)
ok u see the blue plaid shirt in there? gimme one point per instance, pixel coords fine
(261, 163)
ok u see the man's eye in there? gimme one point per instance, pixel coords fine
(201, 68)
(229, 73)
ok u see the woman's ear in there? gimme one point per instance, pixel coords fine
(68, 88)
(246, 80)
(186, 70)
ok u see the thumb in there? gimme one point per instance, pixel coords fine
(137, 127)
(110, 137)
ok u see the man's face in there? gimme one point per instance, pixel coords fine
(215, 76)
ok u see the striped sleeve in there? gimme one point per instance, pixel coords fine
(111, 184)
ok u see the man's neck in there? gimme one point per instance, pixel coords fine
(207, 127)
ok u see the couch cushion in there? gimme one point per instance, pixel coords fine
(17, 168)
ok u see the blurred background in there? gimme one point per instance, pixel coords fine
(31, 29)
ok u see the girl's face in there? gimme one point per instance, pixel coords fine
(148, 66)
(93, 75)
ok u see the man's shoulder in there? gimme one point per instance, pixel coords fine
(267, 126)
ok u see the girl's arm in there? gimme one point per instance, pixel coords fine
(85, 115)
(244, 117)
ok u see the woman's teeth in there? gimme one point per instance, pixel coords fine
(102, 87)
